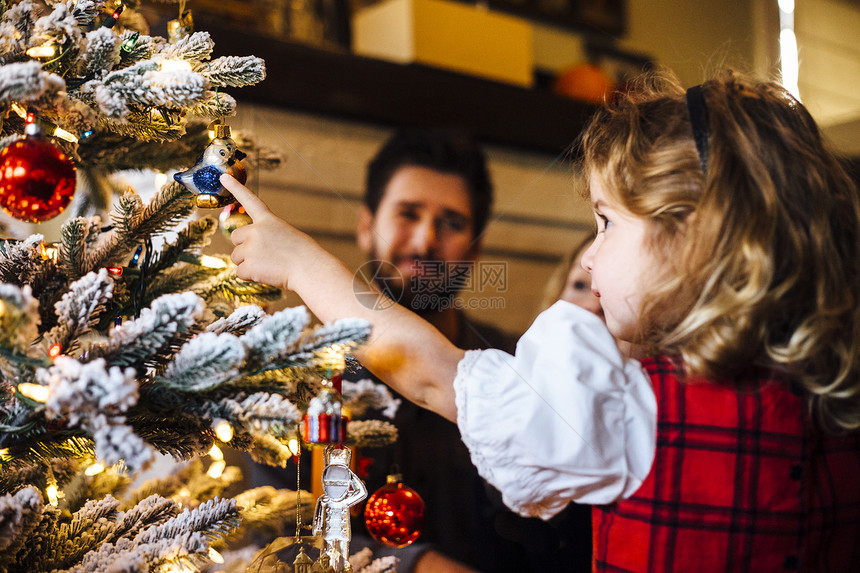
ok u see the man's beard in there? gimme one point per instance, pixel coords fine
(420, 296)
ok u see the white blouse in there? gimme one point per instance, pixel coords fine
(565, 419)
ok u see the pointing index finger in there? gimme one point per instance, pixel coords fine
(253, 205)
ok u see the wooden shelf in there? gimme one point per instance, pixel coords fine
(339, 84)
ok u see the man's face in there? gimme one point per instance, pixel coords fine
(422, 234)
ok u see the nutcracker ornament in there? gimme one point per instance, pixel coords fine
(325, 420)
(394, 514)
(37, 180)
(203, 179)
(341, 490)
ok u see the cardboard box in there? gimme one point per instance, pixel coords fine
(451, 35)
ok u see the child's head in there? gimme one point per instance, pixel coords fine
(753, 261)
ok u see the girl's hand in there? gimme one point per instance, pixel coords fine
(265, 250)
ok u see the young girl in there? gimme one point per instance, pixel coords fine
(729, 244)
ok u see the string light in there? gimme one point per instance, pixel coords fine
(19, 109)
(48, 253)
(57, 131)
(160, 180)
(215, 556)
(94, 469)
(215, 453)
(45, 51)
(223, 430)
(128, 45)
(55, 350)
(294, 447)
(63, 134)
(111, 20)
(53, 494)
(212, 262)
(115, 271)
(175, 66)
(35, 392)
(136, 257)
(216, 469)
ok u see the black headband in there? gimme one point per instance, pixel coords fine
(699, 120)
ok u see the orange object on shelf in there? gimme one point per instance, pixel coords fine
(585, 82)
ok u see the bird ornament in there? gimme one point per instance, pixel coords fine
(203, 179)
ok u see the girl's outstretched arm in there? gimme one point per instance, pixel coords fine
(404, 350)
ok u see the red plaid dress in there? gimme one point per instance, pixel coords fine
(740, 482)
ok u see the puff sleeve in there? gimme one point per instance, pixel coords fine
(565, 419)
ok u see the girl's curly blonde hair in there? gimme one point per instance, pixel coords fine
(762, 252)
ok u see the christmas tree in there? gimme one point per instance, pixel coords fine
(116, 344)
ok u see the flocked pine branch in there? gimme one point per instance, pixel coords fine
(110, 80)
(100, 537)
(189, 483)
(163, 366)
(275, 336)
(363, 562)
(86, 298)
(133, 221)
(195, 236)
(205, 362)
(238, 322)
(164, 323)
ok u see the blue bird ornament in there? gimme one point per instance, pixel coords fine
(203, 179)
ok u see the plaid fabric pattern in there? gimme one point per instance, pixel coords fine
(740, 483)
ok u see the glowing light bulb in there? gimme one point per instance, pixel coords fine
(55, 350)
(35, 392)
(215, 453)
(175, 66)
(45, 51)
(216, 469)
(212, 262)
(94, 469)
(19, 109)
(293, 445)
(53, 494)
(48, 253)
(160, 180)
(215, 556)
(67, 135)
(224, 431)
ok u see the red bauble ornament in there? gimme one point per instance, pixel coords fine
(394, 514)
(37, 180)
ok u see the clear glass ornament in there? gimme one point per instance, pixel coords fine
(341, 490)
